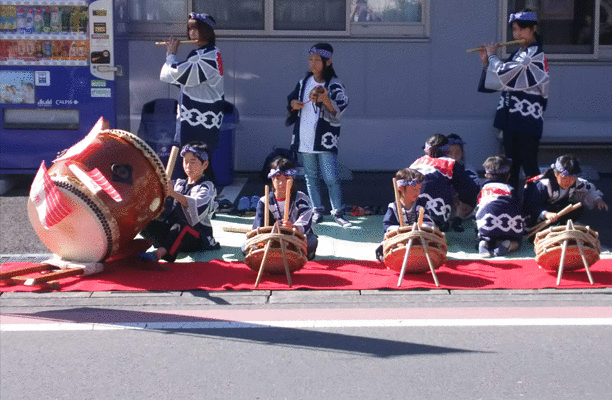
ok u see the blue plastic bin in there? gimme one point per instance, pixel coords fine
(158, 128)
(223, 156)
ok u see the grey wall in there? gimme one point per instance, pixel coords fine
(400, 92)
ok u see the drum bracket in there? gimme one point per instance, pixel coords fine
(48, 272)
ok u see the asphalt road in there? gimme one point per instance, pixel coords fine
(350, 346)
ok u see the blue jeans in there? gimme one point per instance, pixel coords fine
(317, 165)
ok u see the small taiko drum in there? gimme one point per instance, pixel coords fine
(548, 246)
(102, 222)
(295, 249)
(395, 243)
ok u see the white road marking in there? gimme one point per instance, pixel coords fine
(310, 324)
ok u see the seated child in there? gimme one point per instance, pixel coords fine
(300, 211)
(185, 225)
(443, 177)
(558, 187)
(498, 215)
(409, 183)
(460, 211)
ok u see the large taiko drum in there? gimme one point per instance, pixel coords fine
(395, 243)
(548, 246)
(100, 224)
(295, 249)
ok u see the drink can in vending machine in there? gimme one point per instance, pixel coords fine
(21, 20)
(29, 21)
(47, 50)
(11, 19)
(65, 18)
(38, 20)
(56, 23)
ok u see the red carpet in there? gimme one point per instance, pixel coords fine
(326, 275)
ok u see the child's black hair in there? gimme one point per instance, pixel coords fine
(497, 163)
(282, 163)
(436, 145)
(569, 162)
(206, 31)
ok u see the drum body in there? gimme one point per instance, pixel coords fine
(295, 243)
(548, 246)
(99, 224)
(395, 243)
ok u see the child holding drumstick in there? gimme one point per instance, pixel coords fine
(283, 170)
(547, 194)
(185, 224)
(409, 183)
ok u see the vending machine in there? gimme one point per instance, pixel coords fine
(57, 77)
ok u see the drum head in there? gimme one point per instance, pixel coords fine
(84, 235)
(551, 258)
(417, 260)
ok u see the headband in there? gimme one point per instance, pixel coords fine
(559, 168)
(204, 18)
(406, 182)
(455, 141)
(321, 52)
(443, 149)
(200, 154)
(523, 16)
(289, 172)
(498, 171)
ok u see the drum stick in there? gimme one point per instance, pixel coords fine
(180, 41)
(267, 206)
(405, 261)
(421, 216)
(287, 200)
(520, 41)
(237, 229)
(171, 161)
(561, 213)
(398, 204)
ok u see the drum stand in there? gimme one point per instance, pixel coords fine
(417, 228)
(50, 271)
(275, 231)
(570, 227)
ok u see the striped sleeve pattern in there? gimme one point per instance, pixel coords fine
(201, 65)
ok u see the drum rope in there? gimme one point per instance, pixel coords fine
(549, 239)
(299, 243)
(433, 240)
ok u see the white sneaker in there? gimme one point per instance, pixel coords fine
(342, 222)
(317, 217)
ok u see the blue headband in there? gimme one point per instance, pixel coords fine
(503, 170)
(406, 182)
(559, 168)
(523, 16)
(443, 149)
(200, 154)
(289, 172)
(455, 141)
(204, 18)
(321, 52)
